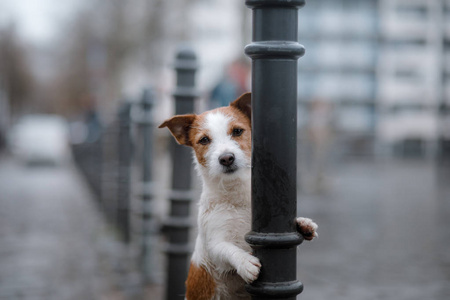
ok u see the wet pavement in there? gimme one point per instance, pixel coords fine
(54, 243)
(384, 233)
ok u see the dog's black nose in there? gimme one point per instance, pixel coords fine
(226, 159)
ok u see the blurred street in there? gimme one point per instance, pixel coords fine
(383, 234)
(54, 243)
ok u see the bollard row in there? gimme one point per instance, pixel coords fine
(122, 153)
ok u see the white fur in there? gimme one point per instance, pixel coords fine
(225, 214)
(217, 124)
(308, 223)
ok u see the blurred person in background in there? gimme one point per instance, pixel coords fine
(88, 126)
(235, 82)
(92, 121)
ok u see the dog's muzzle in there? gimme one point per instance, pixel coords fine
(227, 160)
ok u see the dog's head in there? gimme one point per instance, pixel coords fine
(221, 138)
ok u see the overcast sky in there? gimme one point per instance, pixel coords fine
(36, 20)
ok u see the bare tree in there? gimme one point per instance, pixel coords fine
(16, 78)
(108, 38)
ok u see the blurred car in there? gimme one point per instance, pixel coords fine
(40, 139)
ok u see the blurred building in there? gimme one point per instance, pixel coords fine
(384, 65)
(340, 37)
(411, 72)
(220, 31)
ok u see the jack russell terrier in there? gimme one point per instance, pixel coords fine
(222, 261)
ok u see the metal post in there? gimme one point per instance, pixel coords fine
(143, 117)
(123, 184)
(109, 172)
(274, 52)
(178, 224)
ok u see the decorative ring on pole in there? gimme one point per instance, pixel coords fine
(274, 52)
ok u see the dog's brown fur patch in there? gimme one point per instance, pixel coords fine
(199, 285)
(197, 132)
(240, 120)
(180, 126)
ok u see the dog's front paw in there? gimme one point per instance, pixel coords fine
(249, 268)
(307, 228)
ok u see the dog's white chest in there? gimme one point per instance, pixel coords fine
(229, 222)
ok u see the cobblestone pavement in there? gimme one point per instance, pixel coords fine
(54, 243)
(384, 233)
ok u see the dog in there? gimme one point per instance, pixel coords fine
(222, 262)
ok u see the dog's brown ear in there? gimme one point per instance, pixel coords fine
(244, 104)
(179, 126)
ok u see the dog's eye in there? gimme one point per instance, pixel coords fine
(237, 131)
(204, 140)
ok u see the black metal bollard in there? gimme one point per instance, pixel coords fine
(123, 185)
(274, 52)
(109, 171)
(178, 224)
(143, 116)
